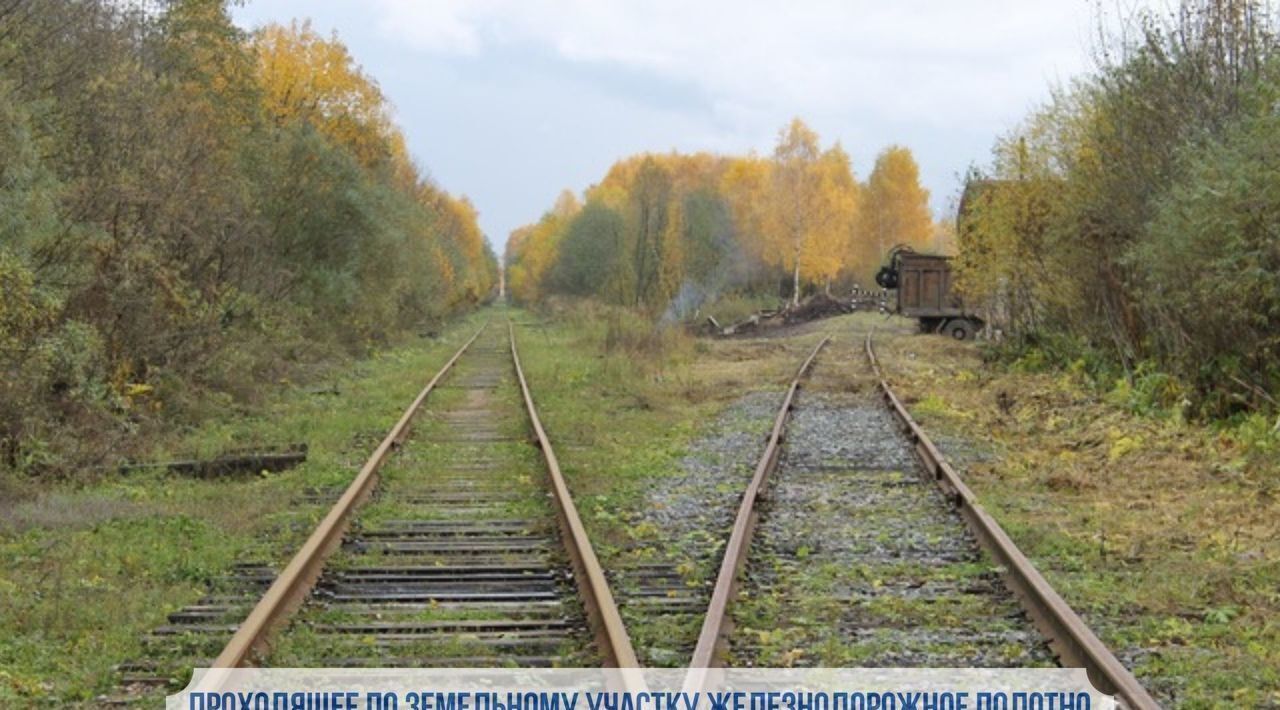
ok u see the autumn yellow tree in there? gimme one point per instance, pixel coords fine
(895, 209)
(533, 250)
(456, 222)
(800, 205)
(943, 238)
(744, 186)
(306, 77)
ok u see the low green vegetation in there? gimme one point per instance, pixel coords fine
(609, 392)
(1161, 532)
(437, 450)
(86, 569)
(622, 411)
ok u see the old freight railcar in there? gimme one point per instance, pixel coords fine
(924, 291)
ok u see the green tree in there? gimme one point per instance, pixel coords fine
(648, 222)
(1208, 268)
(589, 254)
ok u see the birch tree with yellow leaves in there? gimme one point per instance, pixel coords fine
(800, 206)
(668, 232)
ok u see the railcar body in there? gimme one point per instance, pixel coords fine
(923, 284)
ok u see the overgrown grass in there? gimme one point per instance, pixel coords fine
(624, 334)
(622, 419)
(612, 404)
(87, 569)
(621, 409)
(1160, 531)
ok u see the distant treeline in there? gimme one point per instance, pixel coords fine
(666, 233)
(1132, 224)
(186, 208)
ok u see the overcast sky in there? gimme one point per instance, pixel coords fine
(510, 101)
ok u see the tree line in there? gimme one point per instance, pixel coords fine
(187, 208)
(667, 233)
(1131, 225)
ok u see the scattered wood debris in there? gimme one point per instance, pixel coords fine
(820, 306)
(814, 308)
(235, 461)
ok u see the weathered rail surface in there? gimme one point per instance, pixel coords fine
(916, 550)
(462, 559)
(251, 601)
(1071, 639)
(450, 557)
(715, 627)
(463, 549)
(611, 635)
(298, 578)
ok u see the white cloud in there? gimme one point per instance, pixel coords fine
(438, 26)
(918, 60)
(509, 101)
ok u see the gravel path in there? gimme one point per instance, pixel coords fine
(663, 584)
(858, 560)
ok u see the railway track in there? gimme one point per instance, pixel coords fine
(456, 559)
(464, 548)
(854, 544)
(856, 531)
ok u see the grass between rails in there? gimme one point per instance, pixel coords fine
(857, 561)
(1164, 535)
(439, 450)
(621, 420)
(87, 570)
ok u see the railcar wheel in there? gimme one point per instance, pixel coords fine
(960, 329)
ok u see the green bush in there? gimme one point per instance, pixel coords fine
(1133, 222)
(169, 244)
(1209, 269)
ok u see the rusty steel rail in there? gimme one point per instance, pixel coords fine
(292, 586)
(602, 613)
(1069, 637)
(715, 626)
(299, 577)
